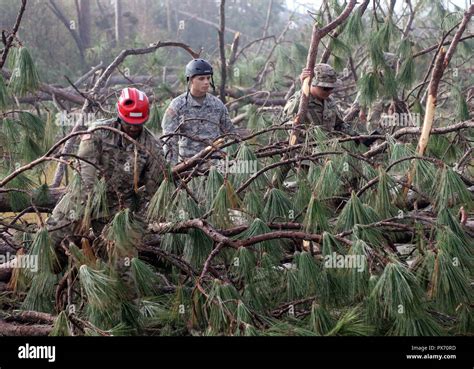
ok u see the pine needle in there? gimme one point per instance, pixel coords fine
(258, 227)
(278, 207)
(244, 263)
(351, 324)
(253, 203)
(316, 218)
(225, 199)
(368, 86)
(385, 193)
(449, 190)
(450, 283)
(214, 182)
(145, 279)
(358, 274)
(159, 206)
(101, 290)
(197, 247)
(308, 273)
(32, 124)
(406, 75)
(320, 320)
(125, 231)
(40, 296)
(4, 98)
(44, 251)
(353, 29)
(60, 327)
(396, 293)
(100, 207)
(24, 76)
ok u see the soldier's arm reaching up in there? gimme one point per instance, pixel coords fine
(169, 125)
(154, 168)
(89, 149)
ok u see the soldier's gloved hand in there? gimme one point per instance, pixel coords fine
(305, 73)
(369, 141)
(218, 155)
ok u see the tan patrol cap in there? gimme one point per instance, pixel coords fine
(324, 76)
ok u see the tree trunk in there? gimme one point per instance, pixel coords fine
(222, 51)
(118, 23)
(84, 16)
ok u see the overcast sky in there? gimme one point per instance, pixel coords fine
(303, 5)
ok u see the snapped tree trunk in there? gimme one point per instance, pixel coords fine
(316, 36)
(441, 63)
(84, 16)
(222, 51)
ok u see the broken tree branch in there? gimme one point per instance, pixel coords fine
(12, 34)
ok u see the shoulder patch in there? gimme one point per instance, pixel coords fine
(170, 112)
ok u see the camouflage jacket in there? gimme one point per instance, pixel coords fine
(124, 168)
(320, 113)
(196, 126)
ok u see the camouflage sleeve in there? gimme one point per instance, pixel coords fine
(89, 149)
(343, 126)
(170, 125)
(375, 115)
(226, 123)
(291, 106)
(154, 169)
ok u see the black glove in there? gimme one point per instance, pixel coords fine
(369, 141)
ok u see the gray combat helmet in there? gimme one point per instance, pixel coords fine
(324, 76)
(198, 67)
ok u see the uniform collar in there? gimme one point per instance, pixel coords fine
(193, 102)
(118, 138)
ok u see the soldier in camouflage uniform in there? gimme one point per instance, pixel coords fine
(195, 119)
(132, 174)
(322, 108)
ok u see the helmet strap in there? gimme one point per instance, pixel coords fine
(212, 83)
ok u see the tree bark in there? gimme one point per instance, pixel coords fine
(222, 51)
(13, 33)
(84, 16)
(441, 63)
(118, 23)
(316, 36)
(10, 329)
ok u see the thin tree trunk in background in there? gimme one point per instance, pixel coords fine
(74, 31)
(12, 35)
(222, 51)
(85, 22)
(118, 22)
(168, 16)
(267, 24)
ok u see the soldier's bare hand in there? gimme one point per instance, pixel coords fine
(305, 73)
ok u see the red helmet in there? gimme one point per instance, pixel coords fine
(133, 106)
